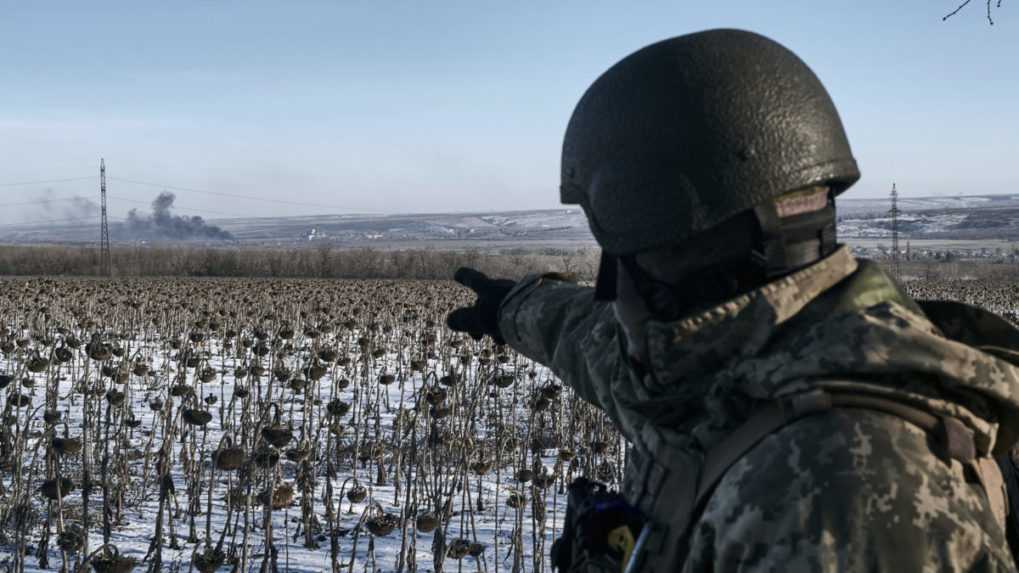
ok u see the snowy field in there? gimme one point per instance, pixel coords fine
(399, 446)
(387, 442)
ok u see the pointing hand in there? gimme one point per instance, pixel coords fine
(483, 317)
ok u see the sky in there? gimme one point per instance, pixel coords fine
(264, 108)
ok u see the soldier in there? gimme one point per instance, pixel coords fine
(788, 407)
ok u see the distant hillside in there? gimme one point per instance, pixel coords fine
(551, 227)
(963, 217)
(542, 226)
(975, 217)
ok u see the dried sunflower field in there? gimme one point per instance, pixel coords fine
(262, 425)
(272, 424)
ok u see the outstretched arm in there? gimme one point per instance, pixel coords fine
(551, 320)
(559, 324)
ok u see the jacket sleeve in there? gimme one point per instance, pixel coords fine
(559, 324)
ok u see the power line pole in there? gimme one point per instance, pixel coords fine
(894, 212)
(105, 260)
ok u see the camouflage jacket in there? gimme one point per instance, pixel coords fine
(848, 490)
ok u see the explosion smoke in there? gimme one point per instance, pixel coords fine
(73, 208)
(162, 224)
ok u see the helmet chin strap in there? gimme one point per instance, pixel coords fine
(605, 283)
(784, 245)
(791, 243)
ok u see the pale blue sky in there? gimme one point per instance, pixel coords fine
(389, 106)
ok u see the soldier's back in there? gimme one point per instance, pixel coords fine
(850, 490)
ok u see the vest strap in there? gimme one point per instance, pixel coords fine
(956, 440)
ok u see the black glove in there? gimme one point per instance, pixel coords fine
(483, 317)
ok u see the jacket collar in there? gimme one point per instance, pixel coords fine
(698, 345)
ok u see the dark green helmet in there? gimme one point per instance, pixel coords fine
(688, 132)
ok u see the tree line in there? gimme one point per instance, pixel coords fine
(319, 262)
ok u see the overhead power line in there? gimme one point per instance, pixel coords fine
(45, 181)
(89, 219)
(141, 202)
(127, 199)
(174, 207)
(222, 194)
(42, 201)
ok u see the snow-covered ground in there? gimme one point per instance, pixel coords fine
(422, 465)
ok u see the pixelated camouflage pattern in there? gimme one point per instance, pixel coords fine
(848, 490)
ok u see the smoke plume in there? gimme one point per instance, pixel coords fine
(73, 209)
(161, 224)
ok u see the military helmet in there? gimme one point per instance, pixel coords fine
(686, 133)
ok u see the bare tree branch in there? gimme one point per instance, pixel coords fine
(965, 3)
(956, 11)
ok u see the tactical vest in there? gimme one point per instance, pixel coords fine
(663, 470)
(662, 543)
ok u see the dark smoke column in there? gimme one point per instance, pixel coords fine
(161, 224)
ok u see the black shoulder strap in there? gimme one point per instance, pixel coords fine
(1010, 474)
(956, 440)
